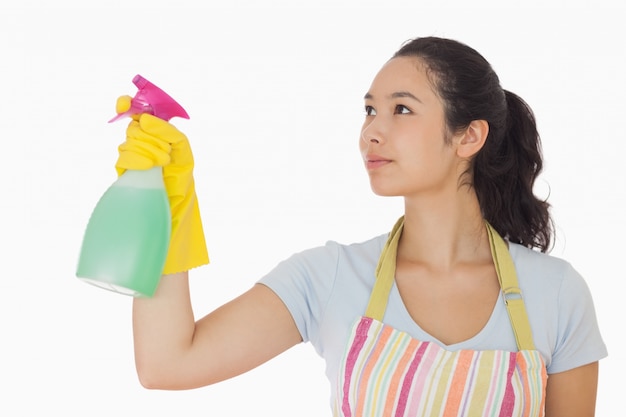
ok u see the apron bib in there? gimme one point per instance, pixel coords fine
(386, 372)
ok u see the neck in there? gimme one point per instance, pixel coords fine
(443, 232)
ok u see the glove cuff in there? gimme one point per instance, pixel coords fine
(187, 248)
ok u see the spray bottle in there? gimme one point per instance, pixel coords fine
(127, 236)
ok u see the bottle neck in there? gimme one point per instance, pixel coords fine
(146, 178)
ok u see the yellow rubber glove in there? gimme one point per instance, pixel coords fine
(152, 142)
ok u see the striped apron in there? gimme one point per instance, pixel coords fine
(386, 372)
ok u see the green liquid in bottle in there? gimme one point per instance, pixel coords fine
(126, 240)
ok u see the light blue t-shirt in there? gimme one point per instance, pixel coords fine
(327, 289)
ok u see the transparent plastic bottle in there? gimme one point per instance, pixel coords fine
(127, 237)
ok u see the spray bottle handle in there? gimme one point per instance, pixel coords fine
(151, 99)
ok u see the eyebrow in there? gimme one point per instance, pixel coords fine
(397, 94)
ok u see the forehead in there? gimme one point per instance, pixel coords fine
(402, 74)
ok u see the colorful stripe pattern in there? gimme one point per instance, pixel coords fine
(388, 373)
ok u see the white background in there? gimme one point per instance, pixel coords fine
(274, 91)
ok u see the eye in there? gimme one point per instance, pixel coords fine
(401, 109)
(369, 111)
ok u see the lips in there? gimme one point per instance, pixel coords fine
(373, 161)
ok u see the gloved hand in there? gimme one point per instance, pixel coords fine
(152, 142)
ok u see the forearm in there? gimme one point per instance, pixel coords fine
(163, 328)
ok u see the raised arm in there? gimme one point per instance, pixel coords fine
(174, 352)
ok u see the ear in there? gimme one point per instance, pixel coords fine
(472, 139)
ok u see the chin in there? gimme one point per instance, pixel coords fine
(384, 191)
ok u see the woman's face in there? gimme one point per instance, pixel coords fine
(402, 138)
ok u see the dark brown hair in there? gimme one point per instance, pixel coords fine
(504, 171)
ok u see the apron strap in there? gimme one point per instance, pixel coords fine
(505, 270)
(385, 274)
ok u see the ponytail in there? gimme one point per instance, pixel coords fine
(504, 173)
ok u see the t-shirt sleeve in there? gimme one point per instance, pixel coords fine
(578, 339)
(304, 282)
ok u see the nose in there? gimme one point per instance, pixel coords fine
(371, 132)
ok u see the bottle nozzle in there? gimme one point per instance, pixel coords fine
(151, 99)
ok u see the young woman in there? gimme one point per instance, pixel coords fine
(458, 311)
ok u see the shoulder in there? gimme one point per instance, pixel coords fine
(332, 254)
(308, 281)
(547, 282)
(529, 261)
(322, 264)
(548, 275)
(560, 309)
